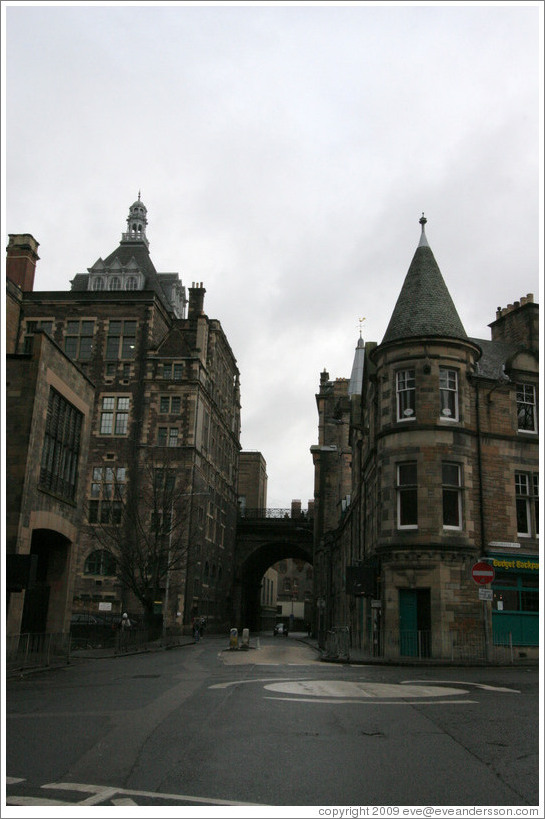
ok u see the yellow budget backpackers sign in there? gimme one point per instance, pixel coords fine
(518, 564)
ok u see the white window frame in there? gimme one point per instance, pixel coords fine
(527, 495)
(526, 396)
(449, 487)
(405, 385)
(449, 390)
(115, 415)
(406, 487)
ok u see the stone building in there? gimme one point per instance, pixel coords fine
(443, 442)
(165, 424)
(49, 403)
(294, 593)
(252, 481)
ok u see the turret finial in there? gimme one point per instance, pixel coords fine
(423, 240)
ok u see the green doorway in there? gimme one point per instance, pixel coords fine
(414, 623)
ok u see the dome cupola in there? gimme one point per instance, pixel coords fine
(136, 223)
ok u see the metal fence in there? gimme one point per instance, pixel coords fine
(36, 650)
(420, 646)
(28, 651)
(454, 646)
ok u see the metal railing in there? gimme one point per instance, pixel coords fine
(275, 514)
(31, 651)
(420, 646)
(36, 650)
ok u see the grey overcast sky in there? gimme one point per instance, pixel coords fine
(285, 153)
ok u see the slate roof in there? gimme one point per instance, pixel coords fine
(424, 306)
(356, 377)
(125, 253)
(495, 356)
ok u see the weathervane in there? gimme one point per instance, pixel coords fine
(361, 320)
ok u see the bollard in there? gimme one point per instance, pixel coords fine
(233, 639)
(245, 638)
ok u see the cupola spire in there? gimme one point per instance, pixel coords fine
(136, 223)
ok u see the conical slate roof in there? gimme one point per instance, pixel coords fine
(356, 378)
(424, 306)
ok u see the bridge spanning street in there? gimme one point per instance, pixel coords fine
(265, 536)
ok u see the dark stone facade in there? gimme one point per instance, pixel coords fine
(163, 389)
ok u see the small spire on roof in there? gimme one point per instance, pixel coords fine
(361, 320)
(139, 198)
(423, 240)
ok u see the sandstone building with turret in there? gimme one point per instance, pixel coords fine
(428, 463)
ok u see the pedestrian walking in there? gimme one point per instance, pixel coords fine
(124, 628)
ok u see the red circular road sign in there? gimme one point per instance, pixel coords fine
(483, 573)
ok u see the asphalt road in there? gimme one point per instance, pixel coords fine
(201, 725)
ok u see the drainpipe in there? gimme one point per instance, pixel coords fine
(481, 512)
(480, 467)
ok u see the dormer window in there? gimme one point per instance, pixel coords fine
(115, 283)
(131, 283)
(98, 283)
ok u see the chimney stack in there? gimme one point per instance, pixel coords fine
(196, 300)
(518, 323)
(21, 258)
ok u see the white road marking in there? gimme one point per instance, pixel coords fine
(106, 792)
(242, 682)
(100, 796)
(13, 780)
(371, 701)
(34, 800)
(464, 682)
(357, 690)
(124, 801)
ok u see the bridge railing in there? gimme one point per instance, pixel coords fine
(273, 514)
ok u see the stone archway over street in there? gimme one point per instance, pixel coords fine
(263, 538)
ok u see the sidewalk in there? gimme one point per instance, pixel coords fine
(110, 652)
(355, 656)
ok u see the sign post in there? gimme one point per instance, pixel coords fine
(483, 574)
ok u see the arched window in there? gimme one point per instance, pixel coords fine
(115, 283)
(98, 283)
(100, 562)
(131, 283)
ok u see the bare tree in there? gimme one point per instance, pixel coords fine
(146, 523)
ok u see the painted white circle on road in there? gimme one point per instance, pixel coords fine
(360, 690)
